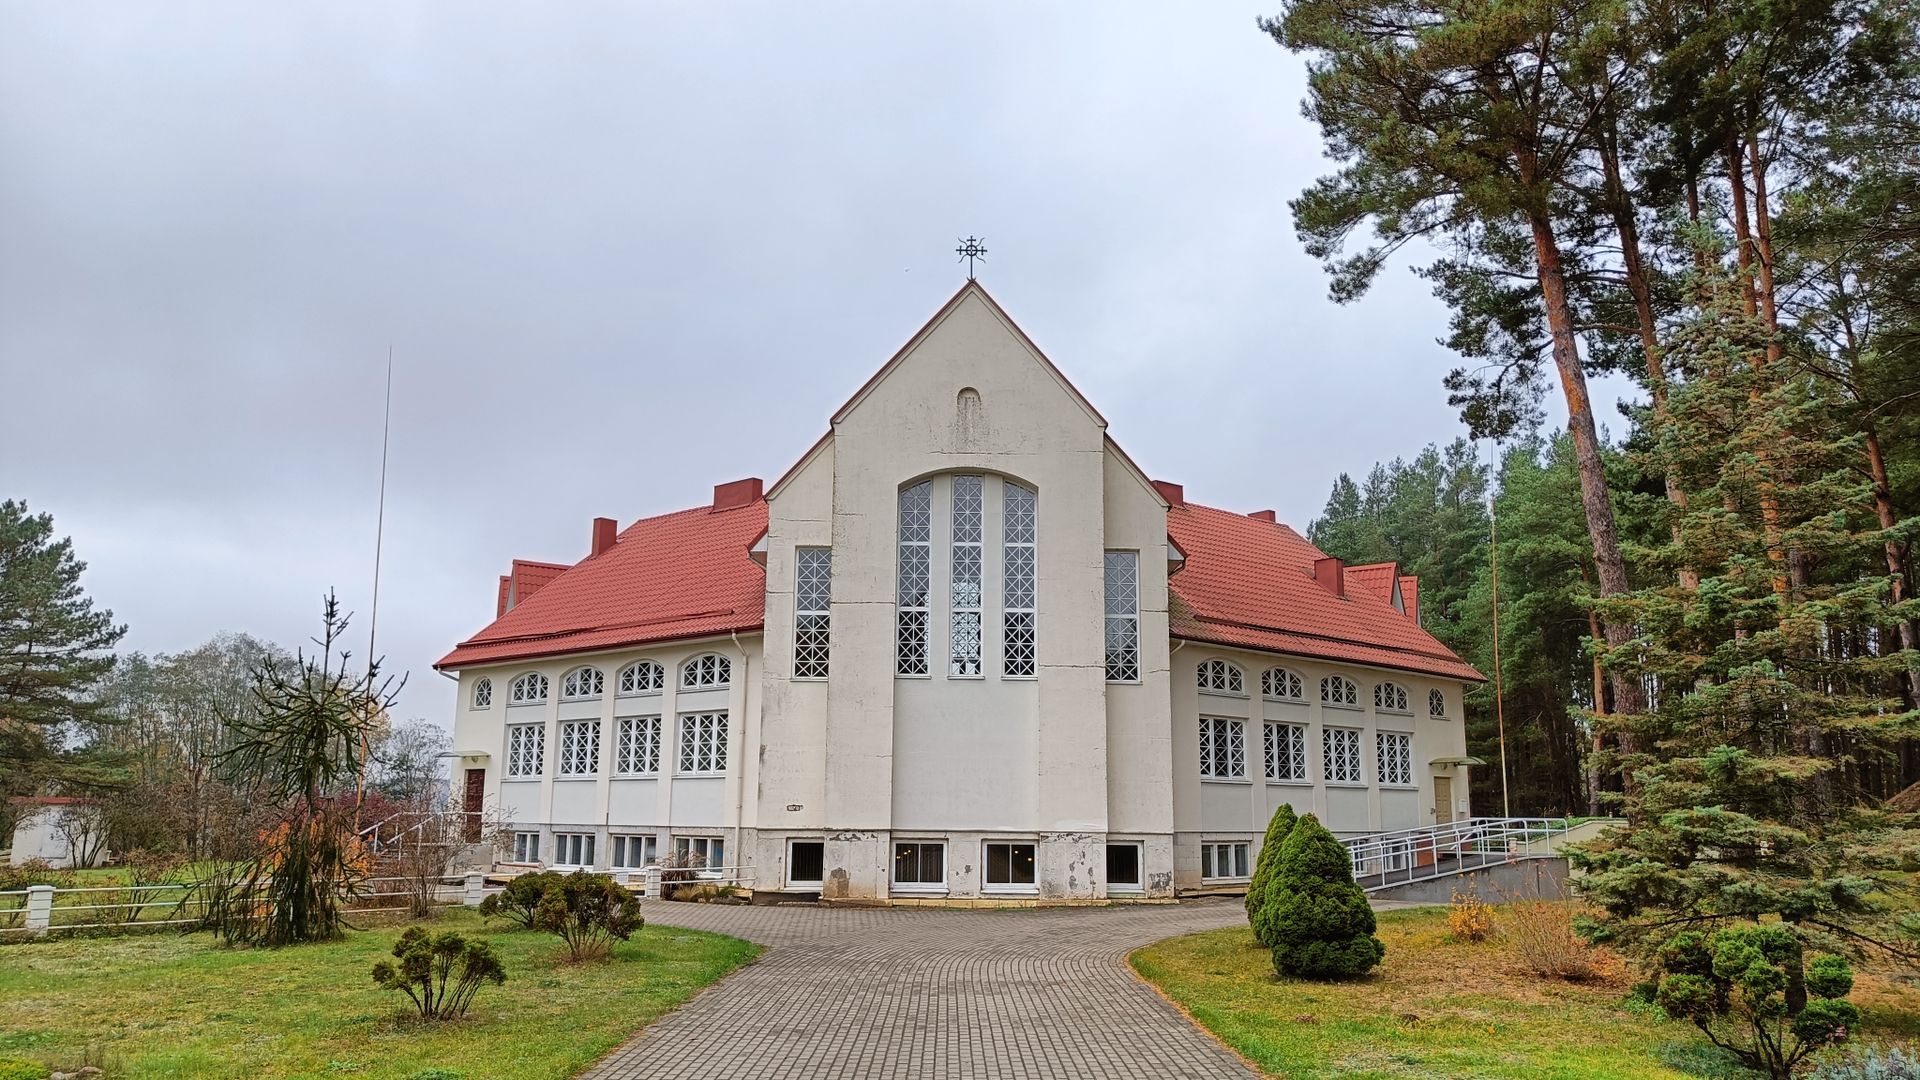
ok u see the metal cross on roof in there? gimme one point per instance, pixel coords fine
(973, 247)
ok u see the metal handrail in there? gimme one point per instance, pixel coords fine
(1384, 860)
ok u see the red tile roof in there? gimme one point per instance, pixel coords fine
(681, 575)
(1376, 578)
(1249, 583)
(1410, 595)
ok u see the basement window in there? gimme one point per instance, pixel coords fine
(1010, 868)
(1221, 862)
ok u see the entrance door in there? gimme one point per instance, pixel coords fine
(1442, 799)
(476, 794)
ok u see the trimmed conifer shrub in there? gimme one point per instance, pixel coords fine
(1267, 865)
(1313, 913)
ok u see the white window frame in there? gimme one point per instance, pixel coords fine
(812, 613)
(938, 885)
(637, 746)
(1285, 747)
(1231, 856)
(528, 689)
(1339, 692)
(1020, 581)
(703, 743)
(526, 759)
(526, 847)
(625, 846)
(806, 883)
(1334, 763)
(1393, 758)
(987, 885)
(704, 846)
(1223, 678)
(1122, 585)
(913, 619)
(1139, 884)
(582, 684)
(1282, 684)
(482, 694)
(708, 671)
(573, 849)
(966, 576)
(1223, 743)
(1436, 705)
(1391, 697)
(642, 678)
(579, 749)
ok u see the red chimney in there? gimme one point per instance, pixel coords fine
(605, 532)
(1172, 492)
(1264, 515)
(1332, 576)
(501, 607)
(736, 494)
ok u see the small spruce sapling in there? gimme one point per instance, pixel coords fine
(1316, 916)
(1267, 865)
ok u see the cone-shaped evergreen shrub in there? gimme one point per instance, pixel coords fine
(1315, 916)
(1268, 865)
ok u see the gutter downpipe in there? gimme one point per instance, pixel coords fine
(740, 793)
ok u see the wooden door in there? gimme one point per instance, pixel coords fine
(476, 795)
(1442, 799)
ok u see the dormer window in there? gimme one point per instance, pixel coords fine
(1221, 677)
(708, 671)
(528, 689)
(582, 684)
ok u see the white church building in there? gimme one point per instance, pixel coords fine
(964, 649)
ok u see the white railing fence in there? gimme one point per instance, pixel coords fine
(1383, 860)
(41, 909)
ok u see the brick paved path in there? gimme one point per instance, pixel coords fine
(914, 993)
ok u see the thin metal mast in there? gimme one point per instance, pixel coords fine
(373, 617)
(1499, 695)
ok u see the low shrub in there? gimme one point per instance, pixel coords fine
(1469, 918)
(439, 973)
(589, 912)
(34, 872)
(1893, 1063)
(1543, 938)
(516, 902)
(1752, 992)
(21, 1069)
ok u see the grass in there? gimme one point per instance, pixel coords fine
(167, 1006)
(1437, 1008)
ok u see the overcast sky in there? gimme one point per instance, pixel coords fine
(622, 252)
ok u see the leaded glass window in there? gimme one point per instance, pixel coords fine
(1340, 691)
(1223, 748)
(1281, 685)
(812, 612)
(964, 611)
(1341, 749)
(483, 694)
(708, 671)
(642, 677)
(526, 749)
(915, 579)
(1390, 697)
(1221, 677)
(638, 749)
(582, 683)
(1018, 602)
(703, 742)
(1286, 752)
(1394, 753)
(528, 689)
(1123, 616)
(580, 748)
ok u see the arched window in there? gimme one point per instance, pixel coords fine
(528, 689)
(708, 671)
(581, 684)
(483, 694)
(1282, 685)
(1335, 690)
(1436, 705)
(641, 677)
(1390, 697)
(1221, 677)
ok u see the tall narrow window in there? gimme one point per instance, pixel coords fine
(1123, 616)
(1223, 749)
(916, 540)
(526, 749)
(1017, 556)
(483, 694)
(703, 742)
(638, 750)
(812, 612)
(1393, 757)
(1286, 752)
(964, 639)
(1340, 748)
(1436, 705)
(580, 748)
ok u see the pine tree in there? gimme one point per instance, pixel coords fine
(55, 647)
(1267, 867)
(1317, 918)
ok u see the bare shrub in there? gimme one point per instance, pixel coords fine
(1469, 918)
(1543, 939)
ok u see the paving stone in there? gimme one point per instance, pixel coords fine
(895, 992)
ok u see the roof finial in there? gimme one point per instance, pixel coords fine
(973, 247)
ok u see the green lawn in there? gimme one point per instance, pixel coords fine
(1442, 1009)
(152, 1006)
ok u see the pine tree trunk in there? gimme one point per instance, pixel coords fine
(1748, 253)
(1896, 558)
(1610, 567)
